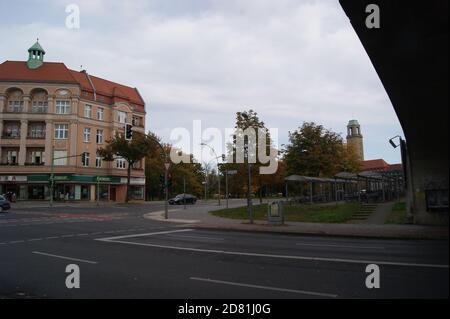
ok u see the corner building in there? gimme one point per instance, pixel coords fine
(49, 111)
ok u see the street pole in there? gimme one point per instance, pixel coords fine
(218, 177)
(226, 187)
(166, 190)
(98, 191)
(184, 191)
(250, 204)
(52, 179)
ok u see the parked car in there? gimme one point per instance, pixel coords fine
(4, 204)
(181, 198)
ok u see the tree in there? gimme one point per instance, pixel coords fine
(131, 151)
(154, 170)
(318, 152)
(238, 184)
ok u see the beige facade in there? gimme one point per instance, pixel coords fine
(40, 120)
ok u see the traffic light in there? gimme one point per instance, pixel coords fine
(128, 132)
(223, 157)
(161, 179)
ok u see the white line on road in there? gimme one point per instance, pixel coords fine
(304, 292)
(339, 246)
(144, 235)
(64, 257)
(251, 254)
(195, 237)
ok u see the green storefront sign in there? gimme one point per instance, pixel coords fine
(74, 178)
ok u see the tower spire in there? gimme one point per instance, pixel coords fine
(35, 56)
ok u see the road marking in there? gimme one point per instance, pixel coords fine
(17, 241)
(145, 235)
(64, 257)
(251, 254)
(196, 237)
(303, 292)
(339, 246)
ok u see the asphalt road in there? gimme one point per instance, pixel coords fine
(122, 255)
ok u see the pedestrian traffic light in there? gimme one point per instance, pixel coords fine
(223, 158)
(128, 132)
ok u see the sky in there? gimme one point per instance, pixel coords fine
(289, 60)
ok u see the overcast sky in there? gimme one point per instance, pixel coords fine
(289, 60)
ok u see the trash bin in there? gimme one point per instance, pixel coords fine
(275, 213)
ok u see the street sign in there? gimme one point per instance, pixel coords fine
(167, 166)
(232, 172)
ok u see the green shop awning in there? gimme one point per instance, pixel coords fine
(74, 178)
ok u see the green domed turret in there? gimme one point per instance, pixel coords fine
(36, 56)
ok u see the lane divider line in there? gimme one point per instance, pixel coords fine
(230, 283)
(64, 257)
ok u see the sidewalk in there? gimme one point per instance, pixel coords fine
(198, 217)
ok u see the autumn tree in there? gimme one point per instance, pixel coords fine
(318, 152)
(154, 169)
(238, 184)
(131, 151)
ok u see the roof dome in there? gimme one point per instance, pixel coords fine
(36, 47)
(353, 123)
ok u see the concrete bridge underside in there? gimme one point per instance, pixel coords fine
(410, 54)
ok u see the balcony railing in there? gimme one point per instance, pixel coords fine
(39, 110)
(8, 135)
(8, 164)
(14, 110)
(36, 136)
(34, 164)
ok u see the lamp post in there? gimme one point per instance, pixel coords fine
(249, 195)
(218, 171)
(407, 179)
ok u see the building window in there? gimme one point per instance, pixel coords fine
(61, 131)
(98, 161)
(11, 157)
(15, 106)
(87, 134)
(99, 136)
(62, 107)
(11, 130)
(39, 107)
(37, 130)
(85, 160)
(121, 163)
(37, 157)
(121, 117)
(88, 111)
(60, 158)
(137, 121)
(100, 113)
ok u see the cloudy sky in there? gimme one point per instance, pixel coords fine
(289, 60)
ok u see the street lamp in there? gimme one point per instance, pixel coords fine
(249, 195)
(407, 177)
(218, 171)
